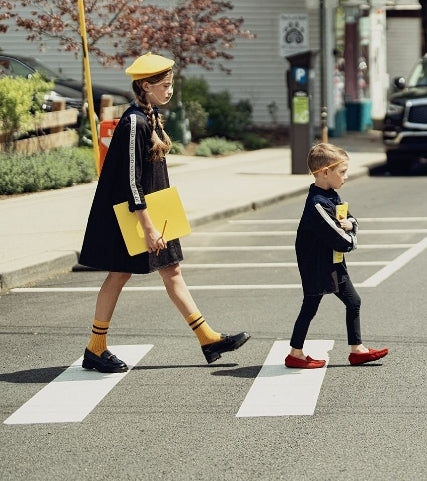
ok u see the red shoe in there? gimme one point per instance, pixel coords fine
(309, 363)
(357, 358)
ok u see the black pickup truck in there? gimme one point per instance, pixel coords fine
(404, 129)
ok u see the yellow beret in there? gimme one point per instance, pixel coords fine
(148, 65)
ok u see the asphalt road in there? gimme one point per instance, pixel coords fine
(174, 418)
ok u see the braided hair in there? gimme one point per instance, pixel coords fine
(160, 141)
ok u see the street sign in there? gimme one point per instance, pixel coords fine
(293, 33)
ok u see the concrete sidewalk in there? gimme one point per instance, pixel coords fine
(41, 233)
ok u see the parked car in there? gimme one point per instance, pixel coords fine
(69, 89)
(404, 129)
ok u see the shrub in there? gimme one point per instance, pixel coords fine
(177, 148)
(21, 101)
(225, 118)
(252, 141)
(197, 118)
(195, 89)
(217, 146)
(203, 150)
(49, 170)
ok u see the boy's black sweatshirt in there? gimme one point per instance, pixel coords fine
(319, 234)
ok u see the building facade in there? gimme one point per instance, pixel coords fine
(350, 71)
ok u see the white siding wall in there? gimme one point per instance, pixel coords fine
(258, 71)
(402, 55)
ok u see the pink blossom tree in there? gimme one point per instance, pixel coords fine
(6, 12)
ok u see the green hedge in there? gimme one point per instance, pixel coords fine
(214, 114)
(217, 146)
(48, 170)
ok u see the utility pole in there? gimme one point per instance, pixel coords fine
(323, 83)
(88, 82)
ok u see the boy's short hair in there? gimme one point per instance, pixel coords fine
(324, 155)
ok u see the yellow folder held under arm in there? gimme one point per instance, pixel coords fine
(163, 205)
(341, 213)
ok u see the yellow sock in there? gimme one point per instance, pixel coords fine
(98, 339)
(205, 334)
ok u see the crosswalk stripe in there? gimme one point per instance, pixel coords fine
(269, 248)
(280, 233)
(396, 264)
(279, 391)
(361, 220)
(71, 396)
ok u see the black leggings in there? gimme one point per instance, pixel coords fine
(348, 295)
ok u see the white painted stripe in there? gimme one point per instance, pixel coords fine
(263, 221)
(251, 265)
(277, 233)
(282, 248)
(392, 231)
(392, 219)
(222, 287)
(396, 264)
(279, 391)
(360, 219)
(239, 265)
(238, 248)
(71, 396)
(271, 233)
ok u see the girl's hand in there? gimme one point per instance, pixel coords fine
(154, 240)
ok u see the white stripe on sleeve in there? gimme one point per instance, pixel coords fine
(132, 160)
(349, 238)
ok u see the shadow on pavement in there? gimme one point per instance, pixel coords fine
(417, 169)
(250, 372)
(33, 376)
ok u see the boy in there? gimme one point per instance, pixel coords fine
(321, 237)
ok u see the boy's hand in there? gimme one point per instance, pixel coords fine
(346, 224)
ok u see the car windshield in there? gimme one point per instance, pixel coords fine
(418, 77)
(39, 67)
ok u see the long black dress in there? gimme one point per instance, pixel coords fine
(127, 174)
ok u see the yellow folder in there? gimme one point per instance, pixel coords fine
(341, 213)
(163, 205)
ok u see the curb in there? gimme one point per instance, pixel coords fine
(24, 276)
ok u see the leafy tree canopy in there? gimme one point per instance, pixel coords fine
(192, 31)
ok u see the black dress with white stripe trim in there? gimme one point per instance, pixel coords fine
(127, 174)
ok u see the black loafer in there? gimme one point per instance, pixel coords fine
(106, 362)
(213, 351)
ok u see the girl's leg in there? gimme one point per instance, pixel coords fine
(181, 297)
(105, 304)
(177, 290)
(310, 305)
(109, 294)
(97, 355)
(213, 343)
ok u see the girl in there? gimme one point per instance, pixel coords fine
(134, 166)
